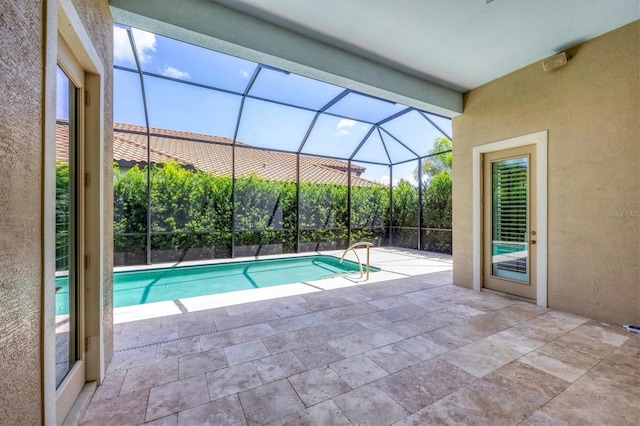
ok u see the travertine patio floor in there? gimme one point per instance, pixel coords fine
(414, 350)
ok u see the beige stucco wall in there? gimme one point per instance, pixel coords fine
(22, 50)
(21, 76)
(591, 110)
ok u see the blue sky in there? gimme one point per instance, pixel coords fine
(62, 94)
(179, 106)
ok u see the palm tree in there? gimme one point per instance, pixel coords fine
(439, 160)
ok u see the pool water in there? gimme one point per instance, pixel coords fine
(157, 285)
(499, 248)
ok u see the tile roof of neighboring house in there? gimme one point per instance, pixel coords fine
(212, 154)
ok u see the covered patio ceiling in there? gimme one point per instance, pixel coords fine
(460, 44)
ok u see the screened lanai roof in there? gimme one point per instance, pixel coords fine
(165, 83)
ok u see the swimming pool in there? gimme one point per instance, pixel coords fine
(157, 285)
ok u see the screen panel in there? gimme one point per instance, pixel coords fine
(373, 150)
(365, 108)
(293, 89)
(370, 203)
(335, 137)
(265, 202)
(184, 61)
(130, 198)
(323, 204)
(415, 131)
(190, 197)
(404, 208)
(122, 51)
(269, 125)
(436, 203)
(444, 124)
(128, 104)
(176, 106)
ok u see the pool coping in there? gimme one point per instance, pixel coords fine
(218, 261)
(193, 304)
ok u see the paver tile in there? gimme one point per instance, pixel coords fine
(203, 362)
(177, 396)
(270, 402)
(317, 356)
(325, 413)
(358, 370)
(318, 385)
(368, 405)
(278, 366)
(234, 379)
(392, 358)
(224, 411)
(148, 376)
(127, 409)
(243, 352)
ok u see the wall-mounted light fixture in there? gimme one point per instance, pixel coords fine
(555, 61)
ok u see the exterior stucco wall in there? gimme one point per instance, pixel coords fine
(591, 110)
(97, 19)
(21, 65)
(23, 44)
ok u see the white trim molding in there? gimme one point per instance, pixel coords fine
(71, 28)
(538, 139)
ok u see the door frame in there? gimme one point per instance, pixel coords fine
(539, 140)
(72, 384)
(62, 19)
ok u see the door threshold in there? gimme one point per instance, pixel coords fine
(80, 405)
(509, 296)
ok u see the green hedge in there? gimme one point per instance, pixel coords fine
(191, 214)
(62, 216)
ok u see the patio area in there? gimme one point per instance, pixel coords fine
(407, 347)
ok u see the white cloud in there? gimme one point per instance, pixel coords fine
(175, 73)
(343, 127)
(346, 123)
(245, 73)
(145, 42)
(409, 178)
(121, 46)
(385, 180)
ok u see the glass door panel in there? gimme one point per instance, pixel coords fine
(66, 226)
(509, 247)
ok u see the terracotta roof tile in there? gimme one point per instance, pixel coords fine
(213, 154)
(62, 145)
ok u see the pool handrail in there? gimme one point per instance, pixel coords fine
(353, 247)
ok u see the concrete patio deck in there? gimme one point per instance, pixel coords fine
(406, 348)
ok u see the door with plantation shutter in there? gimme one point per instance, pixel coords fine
(509, 228)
